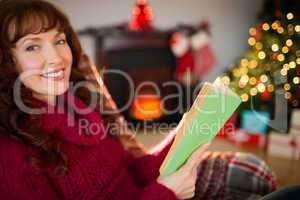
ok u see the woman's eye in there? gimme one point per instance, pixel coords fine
(32, 48)
(61, 42)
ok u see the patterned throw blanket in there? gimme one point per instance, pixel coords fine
(233, 176)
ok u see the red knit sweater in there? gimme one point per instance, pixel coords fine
(99, 167)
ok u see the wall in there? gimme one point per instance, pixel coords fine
(230, 20)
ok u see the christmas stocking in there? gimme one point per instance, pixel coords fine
(204, 57)
(185, 61)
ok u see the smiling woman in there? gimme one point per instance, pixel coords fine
(45, 59)
(44, 151)
(36, 38)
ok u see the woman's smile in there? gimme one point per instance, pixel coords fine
(56, 75)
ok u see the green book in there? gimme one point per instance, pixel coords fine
(213, 106)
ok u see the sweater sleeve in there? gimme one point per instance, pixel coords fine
(146, 169)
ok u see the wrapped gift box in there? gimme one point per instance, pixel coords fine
(295, 123)
(254, 126)
(255, 122)
(284, 145)
(241, 136)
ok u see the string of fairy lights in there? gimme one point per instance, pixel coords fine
(274, 47)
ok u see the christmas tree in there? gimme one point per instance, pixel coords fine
(272, 62)
(142, 17)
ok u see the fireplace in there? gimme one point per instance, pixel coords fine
(146, 59)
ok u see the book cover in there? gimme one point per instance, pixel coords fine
(213, 106)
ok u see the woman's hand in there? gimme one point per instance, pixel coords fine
(183, 181)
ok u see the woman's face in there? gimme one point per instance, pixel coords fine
(44, 62)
